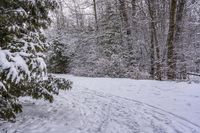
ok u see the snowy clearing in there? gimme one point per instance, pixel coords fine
(104, 105)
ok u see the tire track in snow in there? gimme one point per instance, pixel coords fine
(97, 112)
(133, 100)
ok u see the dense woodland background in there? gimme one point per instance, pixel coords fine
(141, 39)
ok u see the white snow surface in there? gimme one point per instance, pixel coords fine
(105, 105)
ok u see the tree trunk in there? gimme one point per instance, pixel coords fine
(124, 15)
(95, 15)
(152, 47)
(154, 41)
(133, 4)
(178, 39)
(171, 62)
(152, 53)
(126, 26)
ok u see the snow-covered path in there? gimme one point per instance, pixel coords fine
(100, 105)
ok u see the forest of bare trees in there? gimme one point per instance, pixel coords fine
(154, 39)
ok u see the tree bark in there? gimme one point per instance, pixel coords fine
(154, 42)
(171, 62)
(124, 15)
(95, 15)
(178, 39)
(133, 4)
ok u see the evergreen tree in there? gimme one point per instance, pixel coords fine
(58, 56)
(59, 61)
(22, 67)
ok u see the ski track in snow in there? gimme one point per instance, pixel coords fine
(82, 110)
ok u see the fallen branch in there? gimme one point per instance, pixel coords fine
(194, 74)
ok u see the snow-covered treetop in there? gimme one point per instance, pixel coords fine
(22, 42)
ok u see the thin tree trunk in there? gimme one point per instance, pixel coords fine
(171, 62)
(152, 53)
(152, 47)
(124, 15)
(95, 15)
(126, 26)
(133, 4)
(76, 13)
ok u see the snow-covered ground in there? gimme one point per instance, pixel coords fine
(104, 105)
